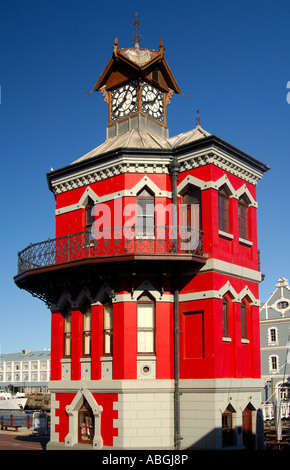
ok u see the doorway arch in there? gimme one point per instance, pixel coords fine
(248, 420)
(84, 421)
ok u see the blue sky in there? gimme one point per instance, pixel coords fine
(231, 60)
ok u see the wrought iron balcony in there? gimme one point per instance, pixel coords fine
(112, 242)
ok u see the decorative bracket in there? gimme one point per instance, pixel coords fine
(169, 96)
(105, 94)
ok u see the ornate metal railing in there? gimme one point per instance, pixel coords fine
(111, 242)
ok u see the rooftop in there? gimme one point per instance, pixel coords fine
(144, 139)
(26, 354)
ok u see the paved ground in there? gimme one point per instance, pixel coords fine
(23, 439)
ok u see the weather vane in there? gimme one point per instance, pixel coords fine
(136, 37)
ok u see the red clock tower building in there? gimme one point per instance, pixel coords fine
(152, 279)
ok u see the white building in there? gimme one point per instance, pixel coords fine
(275, 349)
(27, 371)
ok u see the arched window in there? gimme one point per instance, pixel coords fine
(145, 214)
(243, 218)
(190, 210)
(223, 209)
(67, 331)
(145, 325)
(225, 317)
(244, 320)
(89, 218)
(108, 328)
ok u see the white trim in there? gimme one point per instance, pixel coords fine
(226, 339)
(218, 294)
(72, 410)
(231, 269)
(244, 190)
(230, 236)
(245, 242)
(130, 164)
(146, 181)
(270, 368)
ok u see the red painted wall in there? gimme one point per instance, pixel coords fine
(56, 345)
(205, 355)
(106, 400)
(164, 340)
(124, 340)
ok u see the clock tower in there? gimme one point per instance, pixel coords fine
(152, 278)
(137, 84)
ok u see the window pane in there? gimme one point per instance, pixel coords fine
(273, 334)
(223, 211)
(145, 325)
(87, 344)
(145, 341)
(243, 221)
(67, 323)
(108, 329)
(108, 342)
(244, 320)
(145, 215)
(145, 316)
(225, 318)
(108, 316)
(67, 346)
(67, 328)
(87, 320)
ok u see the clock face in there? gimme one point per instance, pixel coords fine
(124, 101)
(152, 102)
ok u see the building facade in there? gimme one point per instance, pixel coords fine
(27, 371)
(275, 344)
(152, 279)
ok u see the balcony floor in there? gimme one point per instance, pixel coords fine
(48, 282)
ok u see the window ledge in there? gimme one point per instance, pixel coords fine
(245, 341)
(226, 339)
(226, 235)
(245, 242)
(146, 357)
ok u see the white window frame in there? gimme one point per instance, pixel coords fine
(270, 341)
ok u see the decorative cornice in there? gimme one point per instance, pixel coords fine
(209, 150)
(156, 165)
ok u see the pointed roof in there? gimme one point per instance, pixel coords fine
(124, 64)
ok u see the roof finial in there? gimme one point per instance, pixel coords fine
(136, 37)
(198, 121)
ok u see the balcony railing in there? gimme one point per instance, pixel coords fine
(158, 240)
